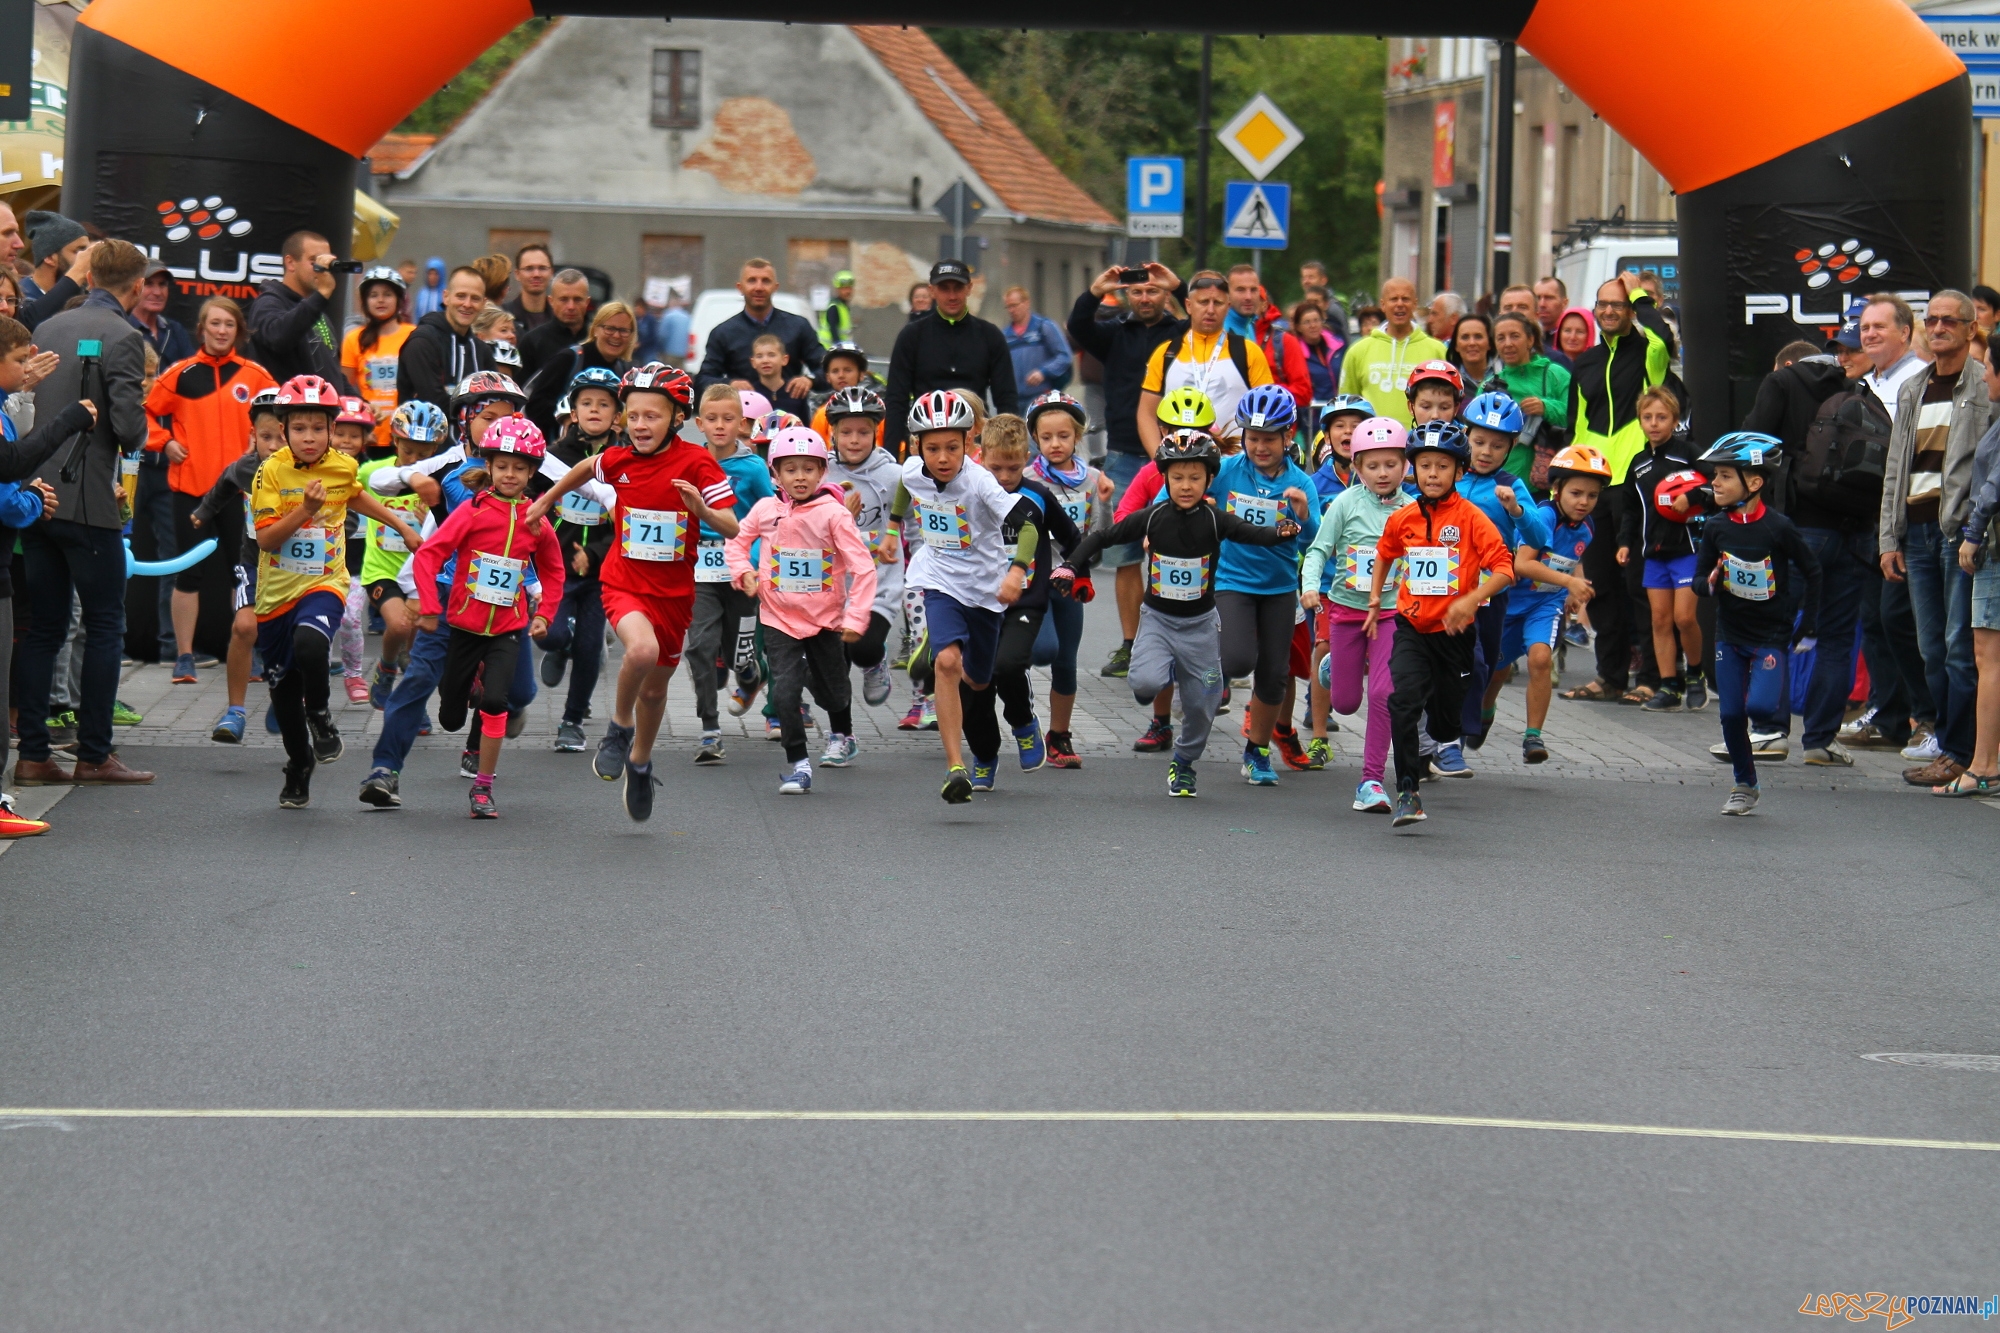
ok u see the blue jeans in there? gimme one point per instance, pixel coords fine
(403, 715)
(62, 555)
(1749, 682)
(1941, 596)
(1844, 562)
(1056, 644)
(577, 628)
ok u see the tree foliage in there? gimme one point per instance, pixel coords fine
(441, 110)
(1090, 100)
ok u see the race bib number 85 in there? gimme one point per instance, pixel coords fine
(944, 526)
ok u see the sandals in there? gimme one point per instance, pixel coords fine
(1988, 787)
(1595, 692)
(1638, 694)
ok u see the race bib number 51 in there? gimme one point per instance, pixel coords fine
(653, 534)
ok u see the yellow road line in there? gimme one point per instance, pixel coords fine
(960, 1117)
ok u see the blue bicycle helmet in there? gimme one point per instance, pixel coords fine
(1746, 451)
(597, 377)
(1444, 437)
(1346, 402)
(1494, 411)
(420, 421)
(1266, 407)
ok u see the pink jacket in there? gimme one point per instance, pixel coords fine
(816, 571)
(489, 525)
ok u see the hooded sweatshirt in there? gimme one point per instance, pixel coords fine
(816, 572)
(1378, 368)
(435, 357)
(875, 480)
(1445, 547)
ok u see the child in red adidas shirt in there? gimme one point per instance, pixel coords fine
(665, 487)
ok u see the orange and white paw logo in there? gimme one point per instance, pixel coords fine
(1844, 263)
(203, 218)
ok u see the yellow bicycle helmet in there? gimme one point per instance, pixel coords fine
(1187, 408)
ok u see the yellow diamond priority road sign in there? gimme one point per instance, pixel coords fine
(1261, 136)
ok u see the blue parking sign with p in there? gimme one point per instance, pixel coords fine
(1154, 185)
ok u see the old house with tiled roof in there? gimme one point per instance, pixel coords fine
(677, 149)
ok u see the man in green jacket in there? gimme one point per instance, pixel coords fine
(1378, 366)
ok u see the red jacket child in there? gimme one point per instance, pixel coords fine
(488, 536)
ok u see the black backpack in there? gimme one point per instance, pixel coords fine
(1846, 452)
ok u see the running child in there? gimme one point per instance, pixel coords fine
(966, 573)
(814, 585)
(492, 547)
(416, 430)
(648, 576)
(1443, 542)
(845, 366)
(1179, 638)
(1333, 456)
(1552, 584)
(718, 605)
(1256, 584)
(299, 503)
(225, 513)
(869, 476)
(583, 530)
(353, 435)
(1058, 422)
(1341, 560)
(1746, 561)
(1668, 493)
(1004, 449)
(1492, 422)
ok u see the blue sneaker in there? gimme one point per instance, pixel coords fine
(1033, 752)
(982, 772)
(1450, 761)
(271, 718)
(1257, 767)
(382, 686)
(1577, 635)
(229, 728)
(1370, 799)
(798, 782)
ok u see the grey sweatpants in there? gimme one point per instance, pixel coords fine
(1185, 652)
(720, 613)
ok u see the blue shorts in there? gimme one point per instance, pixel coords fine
(1986, 596)
(320, 611)
(1531, 619)
(1669, 574)
(974, 629)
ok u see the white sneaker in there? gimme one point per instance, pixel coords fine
(798, 782)
(875, 684)
(1925, 750)
(1858, 725)
(1763, 745)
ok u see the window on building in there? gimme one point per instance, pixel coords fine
(1406, 247)
(677, 90)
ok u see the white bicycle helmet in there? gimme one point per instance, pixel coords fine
(939, 410)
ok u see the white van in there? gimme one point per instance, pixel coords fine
(1594, 251)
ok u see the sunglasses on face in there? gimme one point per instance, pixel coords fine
(1943, 322)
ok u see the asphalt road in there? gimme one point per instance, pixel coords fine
(1556, 950)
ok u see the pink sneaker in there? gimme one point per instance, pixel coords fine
(914, 718)
(357, 690)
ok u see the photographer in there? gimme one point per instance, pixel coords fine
(103, 359)
(289, 331)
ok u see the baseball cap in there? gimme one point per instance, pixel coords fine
(155, 269)
(950, 270)
(1850, 332)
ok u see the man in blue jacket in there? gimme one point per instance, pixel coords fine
(1041, 354)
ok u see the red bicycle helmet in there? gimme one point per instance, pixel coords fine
(655, 377)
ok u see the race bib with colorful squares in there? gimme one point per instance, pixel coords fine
(653, 534)
(1431, 571)
(494, 579)
(802, 569)
(1258, 511)
(1357, 568)
(1078, 512)
(304, 552)
(710, 565)
(578, 508)
(944, 526)
(1748, 579)
(1561, 564)
(381, 374)
(388, 539)
(1177, 578)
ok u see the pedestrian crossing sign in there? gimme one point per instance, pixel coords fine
(1257, 214)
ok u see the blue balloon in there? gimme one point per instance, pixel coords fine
(161, 568)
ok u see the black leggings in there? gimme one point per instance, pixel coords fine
(982, 728)
(463, 657)
(301, 690)
(1010, 665)
(869, 649)
(1257, 634)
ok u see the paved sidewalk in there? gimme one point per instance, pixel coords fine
(1586, 741)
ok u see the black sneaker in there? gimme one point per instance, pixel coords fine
(639, 784)
(483, 804)
(553, 662)
(468, 763)
(1409, 809)
(325, 737)
(1119, 663)
(1180, 779)
(1665, 701)
(1532, 749)
(1696, 697)
(1159, 736)
(296, 794)
(517, 722)
(610, 761)
(957, 786)
(381, 789)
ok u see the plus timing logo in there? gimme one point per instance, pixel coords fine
(205, 219)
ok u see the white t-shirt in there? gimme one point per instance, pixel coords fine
(1887, 384)
(955, 540)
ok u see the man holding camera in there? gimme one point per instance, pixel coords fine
(289, 330)
(82, 547)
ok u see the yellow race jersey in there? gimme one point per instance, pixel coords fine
(315, 557)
